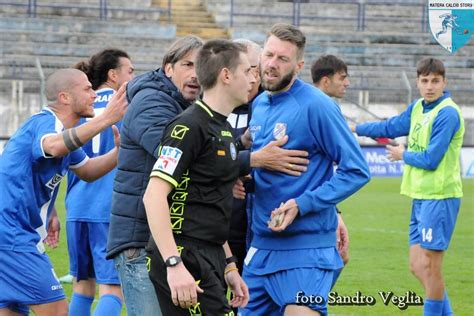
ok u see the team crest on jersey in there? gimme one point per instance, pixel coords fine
(279, 131)
(168, 160)
(233, 151)
(451, 22)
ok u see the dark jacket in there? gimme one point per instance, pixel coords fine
(238, 226)
(153, 102)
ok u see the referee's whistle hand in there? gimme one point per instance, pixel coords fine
(184, 290)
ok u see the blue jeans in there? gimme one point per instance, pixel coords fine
(138, 291)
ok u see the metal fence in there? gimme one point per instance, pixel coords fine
(296, 16)
(103, 7)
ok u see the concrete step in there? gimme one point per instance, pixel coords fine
(137, 28)
(92, 12)
(205, 33)
(112, 40)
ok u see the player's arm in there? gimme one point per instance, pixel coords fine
(445, 125)
(392, 128)
(237, 285)
(58, 145)
(97, 167)
(340, 146)
(54, 227)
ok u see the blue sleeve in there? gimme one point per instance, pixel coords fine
(45, 125)
(392, 128)
(339, 145)
(445, 125)
(77, 158)
(153, 112)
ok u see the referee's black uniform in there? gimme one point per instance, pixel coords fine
(199, 158)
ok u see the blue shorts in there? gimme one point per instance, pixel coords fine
(87, 247)
(271, 293)
(27, 279)
(432, 222)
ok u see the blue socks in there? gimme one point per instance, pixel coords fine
(433, 308)
(80, 305)
(447, 311)
(438, 308)
(109, 305)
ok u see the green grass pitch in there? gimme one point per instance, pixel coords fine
(377, 218)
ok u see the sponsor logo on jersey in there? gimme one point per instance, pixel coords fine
(226, 134)
(279, 131)
(254, 129)
(54, 181)
(179, 131)
(169, 159)
(103, 98)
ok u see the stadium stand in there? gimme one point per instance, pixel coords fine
(380, 40)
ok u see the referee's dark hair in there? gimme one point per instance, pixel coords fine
(326, 66)
(98, 66)
(213, 57)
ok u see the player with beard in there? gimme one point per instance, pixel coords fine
(293, 250)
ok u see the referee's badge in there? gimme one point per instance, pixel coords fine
(279, 131)
(233, 151)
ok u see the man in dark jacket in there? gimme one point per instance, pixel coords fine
(155, 98)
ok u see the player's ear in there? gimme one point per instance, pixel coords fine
(168, 70)
(225, 75)
(112, 75)
(299, 65)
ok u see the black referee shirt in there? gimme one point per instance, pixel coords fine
(199, 158)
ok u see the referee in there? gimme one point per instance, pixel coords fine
(188, 200)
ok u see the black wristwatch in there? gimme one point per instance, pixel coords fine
(231, 259)
(173, 261)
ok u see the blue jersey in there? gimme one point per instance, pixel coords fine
(29, 181)
(86, 201)
(313, 122)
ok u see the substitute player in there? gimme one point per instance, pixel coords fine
(431, 176)
(189, 197)
(33, 163)
(88, 204)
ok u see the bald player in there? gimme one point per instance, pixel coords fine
(33, 163)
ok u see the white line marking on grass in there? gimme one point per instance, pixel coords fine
(381, 230)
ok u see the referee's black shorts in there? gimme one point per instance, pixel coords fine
(206, 263)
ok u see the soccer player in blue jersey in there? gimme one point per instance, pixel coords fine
(33, 163)
(293, 250)
(431, 176)
(329, 74)
(88, 204)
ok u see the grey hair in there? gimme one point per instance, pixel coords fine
(249, 44)
(181, 48)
